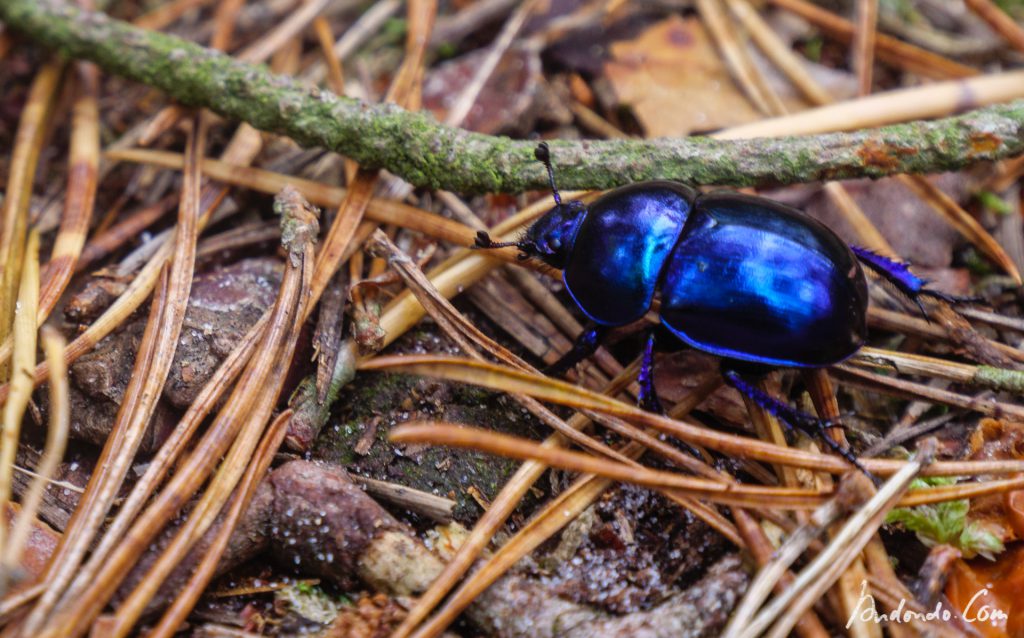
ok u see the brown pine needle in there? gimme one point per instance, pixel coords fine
(183, 603)
(83, 163)
(932, 100)
(962, 221)
(792, 65)
(1000, 22)
(890, 50)
(18, 599)
(167, 13)
(864, 44)
(267, 367)
(883, 319)
(823, 395)
(769, 429)
(28, 141)
(751, 496)
(113, 237)
(846, 545)
(21, 393)
(555, 515)
(324, 37)
(916, 364)
(339, 237)
(379, 210)
(169, 453)
(487, 525)
(83, 166)
(152, 366)
(904, 388)
(458, 436)
(547, 389)
(737, 59)
(851, 494)
(368, 24)
(56, 441)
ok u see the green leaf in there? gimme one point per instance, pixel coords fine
(812, 48)
(994, 202)
(980, 539)
(946, 523)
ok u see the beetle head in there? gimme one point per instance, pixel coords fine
(551, 237)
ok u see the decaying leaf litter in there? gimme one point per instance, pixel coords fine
(239, 377)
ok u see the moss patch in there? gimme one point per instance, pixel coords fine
(374, 403)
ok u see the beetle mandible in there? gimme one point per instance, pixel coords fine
(753, 281)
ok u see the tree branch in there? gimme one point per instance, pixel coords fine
(425, 153)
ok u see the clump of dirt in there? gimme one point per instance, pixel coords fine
(356, 437)
(640, 548)
(225, 302)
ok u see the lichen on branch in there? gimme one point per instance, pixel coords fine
(426, 153)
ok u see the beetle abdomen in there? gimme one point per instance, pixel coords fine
(758, 281)
(621, 249)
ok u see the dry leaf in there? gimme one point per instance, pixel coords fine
(673, 79)
(979, 588)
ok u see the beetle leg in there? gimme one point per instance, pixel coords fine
(648, 397)
(793, 418)
(897, 273)
(586, 344)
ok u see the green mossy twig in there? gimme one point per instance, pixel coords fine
(425, 153)
(1000, 379)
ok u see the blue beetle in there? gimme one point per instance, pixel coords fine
(756, 282)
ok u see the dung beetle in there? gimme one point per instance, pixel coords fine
(753, 281)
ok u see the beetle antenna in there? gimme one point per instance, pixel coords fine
(483, 240)
(543, 153)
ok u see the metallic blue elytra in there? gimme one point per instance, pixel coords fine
(621, 248)
(755, 280)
